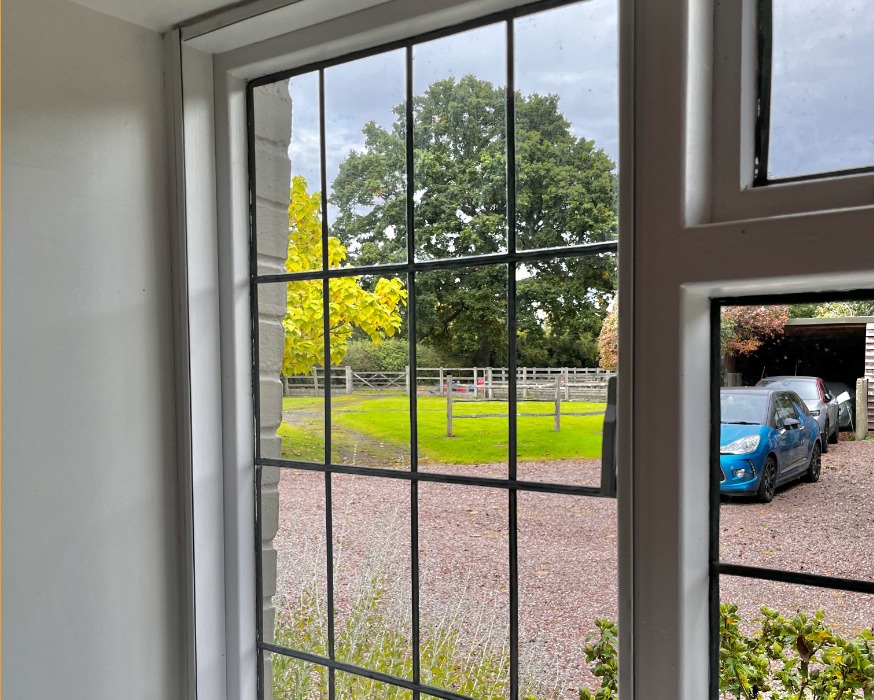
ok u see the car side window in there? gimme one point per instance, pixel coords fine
(800, 406)
(783, 410)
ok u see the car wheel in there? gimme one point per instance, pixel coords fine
(768, 484)
(835, 436)
(815, 468)
(825, 438)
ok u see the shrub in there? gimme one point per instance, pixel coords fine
(391, 355)
(785, 658)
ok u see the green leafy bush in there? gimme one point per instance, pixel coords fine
(391, 355)
(785, 658)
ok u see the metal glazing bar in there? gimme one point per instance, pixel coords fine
(493, 18)
(256, 389)
(411, 338)
(437, 477)
(512, 409)
(520, 256)
(334, 665)
(800, 578)
(326, 349)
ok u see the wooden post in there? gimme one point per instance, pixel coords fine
(448, 405)
(861, 408)
(348, 379)
(407, 378)
(442, 390)
(524, 382)
(316, 379)
(491, 389)
(475, 385)
(567, 385)
(558, 404)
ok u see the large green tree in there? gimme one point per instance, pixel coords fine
(566, 194)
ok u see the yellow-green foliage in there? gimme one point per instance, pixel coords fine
(377, 313)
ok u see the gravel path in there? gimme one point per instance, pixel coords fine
(567, 552)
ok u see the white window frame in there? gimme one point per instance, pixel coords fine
(692, 229)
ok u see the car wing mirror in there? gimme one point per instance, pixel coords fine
(790, 423)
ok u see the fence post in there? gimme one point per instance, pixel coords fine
(524, 382)
(316, 380)
(861, 408)
(475, 385)
(348, 379)
(407, 378)
(558, 404)
(567, 385)
(448, 405)
(489, 383)
(442, 391)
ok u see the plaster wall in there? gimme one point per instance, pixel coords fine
(92, 595)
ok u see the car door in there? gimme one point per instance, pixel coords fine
(790, 438)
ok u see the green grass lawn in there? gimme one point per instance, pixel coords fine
(385, 421)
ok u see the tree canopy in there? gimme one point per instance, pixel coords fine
(566, 191)
(376, 312)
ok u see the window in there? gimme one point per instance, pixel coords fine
(786, 588)
(428, 303)
(815, 87)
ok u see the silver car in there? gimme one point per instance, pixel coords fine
(822, 403)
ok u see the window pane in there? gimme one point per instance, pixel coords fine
(298, 579)
(561, 390)
(291, 368)
(567, 125)
(288, 175)
(372, 580)
(788, 443)
(461, 319)
(464, 582)
(567, 581)
(822, 92)
(460, 144)
(291, 679)
(370, 404)
(365, 134)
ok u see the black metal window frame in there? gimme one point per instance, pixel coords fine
(511, 259)
(764, 65)
(718, 567)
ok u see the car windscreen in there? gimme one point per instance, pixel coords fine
(805, 388)
(743, 407)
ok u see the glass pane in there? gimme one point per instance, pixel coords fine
(291, 371)
(798, 490)
(462, 406)
(460, 144)
(295, 511)
(567, 125)
(365, 135)
(288, 175)
(567, 581)
(372, 584)
(291, 679)
(822, 91)
(464, 582)
(370, 403)
(843, 613)
(351, 687)
(561, 390)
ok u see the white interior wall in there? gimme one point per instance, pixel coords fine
(92, 594)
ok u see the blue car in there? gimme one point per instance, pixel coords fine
(767, 438)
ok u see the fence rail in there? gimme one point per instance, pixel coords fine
(532, 383)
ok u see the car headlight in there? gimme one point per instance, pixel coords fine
(740, 447)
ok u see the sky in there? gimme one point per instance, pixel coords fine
(570, 51)
(822, 102)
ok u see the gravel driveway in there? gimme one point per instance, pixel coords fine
(567, 551)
